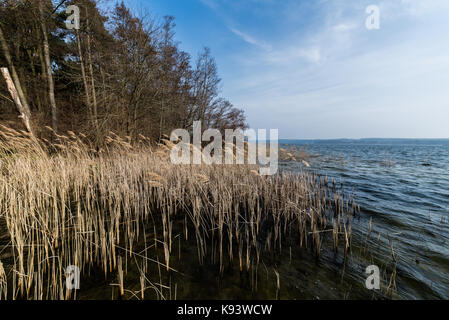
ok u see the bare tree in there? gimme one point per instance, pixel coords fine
(132, 77)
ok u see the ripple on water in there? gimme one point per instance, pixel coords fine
(406, 199)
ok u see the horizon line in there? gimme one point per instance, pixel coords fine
(368, 138)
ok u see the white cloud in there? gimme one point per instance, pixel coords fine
(422, 7)
(344, 27)
(323, 75)
(251, 40)
(311, 54)
(210, 3)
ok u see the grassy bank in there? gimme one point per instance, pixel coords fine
(127, 207)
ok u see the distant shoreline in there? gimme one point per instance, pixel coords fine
(364, 140)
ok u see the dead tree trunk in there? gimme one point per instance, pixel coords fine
(24, 113)
(15, 77)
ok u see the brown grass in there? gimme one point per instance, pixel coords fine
(70, 204)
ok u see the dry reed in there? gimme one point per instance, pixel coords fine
(70, 204)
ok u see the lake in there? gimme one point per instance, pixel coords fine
(402, 185)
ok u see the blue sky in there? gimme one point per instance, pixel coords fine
(312, 70)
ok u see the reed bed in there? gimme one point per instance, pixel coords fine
(65, 203)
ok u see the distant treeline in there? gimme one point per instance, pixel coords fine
(117, 72)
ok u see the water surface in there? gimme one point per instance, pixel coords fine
(403, 185)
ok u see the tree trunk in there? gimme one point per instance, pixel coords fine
(94, 93)
(83, 72)
(24, 113)
(51, 85)
(15, 77)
